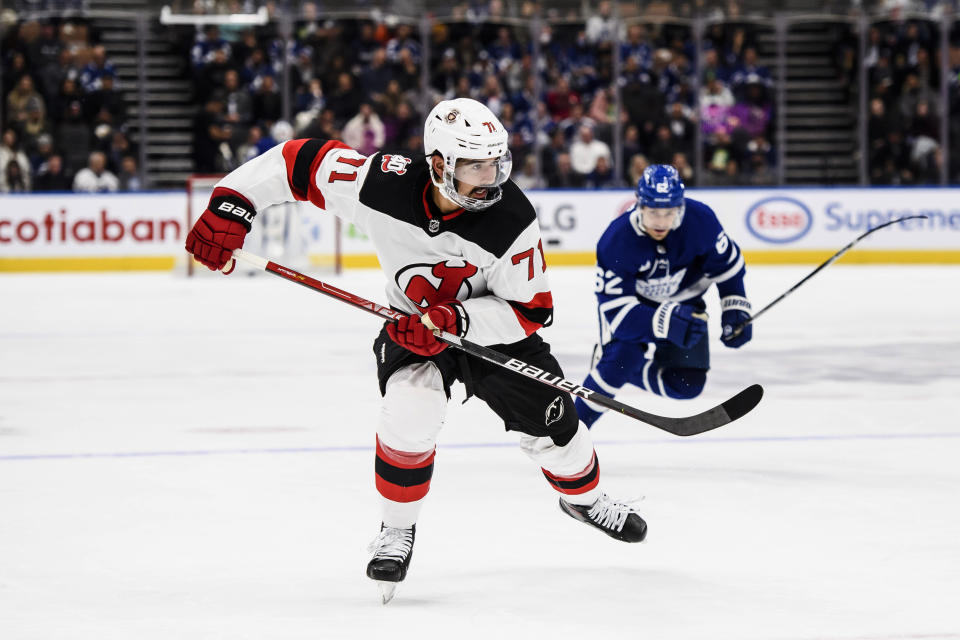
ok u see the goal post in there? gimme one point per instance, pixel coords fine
(297, 233)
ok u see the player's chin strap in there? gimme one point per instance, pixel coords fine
(739, 328)
(724, 413)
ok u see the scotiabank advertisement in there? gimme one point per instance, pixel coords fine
(801, 226)
(91, 226)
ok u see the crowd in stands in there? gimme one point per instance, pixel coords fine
(362, 81)
(905, 106)
(64, 124)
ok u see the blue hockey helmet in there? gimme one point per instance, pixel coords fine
(660, 187)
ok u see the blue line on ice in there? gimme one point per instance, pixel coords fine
(467, 445)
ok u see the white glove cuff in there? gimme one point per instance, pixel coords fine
(661, 319)
(736, 303)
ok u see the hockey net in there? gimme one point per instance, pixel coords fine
(295, 234)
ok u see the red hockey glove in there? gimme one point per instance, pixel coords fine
(416, 333)
(220, 229)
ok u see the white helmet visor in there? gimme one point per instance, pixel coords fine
(475, 183)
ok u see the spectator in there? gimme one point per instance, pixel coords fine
(663, 147)
(44, 56)
(254, 69)
(207, 44)
(527, 178)
(213, 75)
(408, 72)
(309, 99)
(564, 177)
(444, 80)
(585, 150)
(682, 165)
(401, 124)
(560, 99)
(750, 73)
(682, 124)
(210, 132)
(129, 177)
(62, 104)
(74, 137)
(250, 149)
(267, 102)
(602, 26)
(911, 93)
(24, 98)
(91, 78)
(345, 99)
(238, 105)
(602, 175)
(365, 131)
(119, 147)
(32, 128)
(374, 79)
(105, 104)
(603, 112)
(51, 176)
(14, 179)
(638, 162)
(760, 172)
(41, 152)
(10, 152)
(95, 177)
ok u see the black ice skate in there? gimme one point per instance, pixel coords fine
(392, 551)
(615, 519)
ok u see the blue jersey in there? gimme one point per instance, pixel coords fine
(635, 273)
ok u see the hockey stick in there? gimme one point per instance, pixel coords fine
(727, 412)
(739, 328)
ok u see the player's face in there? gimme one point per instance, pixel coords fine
(658, 222)
(475, 177)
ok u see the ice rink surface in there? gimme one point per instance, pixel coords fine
(193, 459)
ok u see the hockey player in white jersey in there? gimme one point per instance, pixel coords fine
(654, 263)
(461, 249)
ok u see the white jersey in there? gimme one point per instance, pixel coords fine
(492, 260)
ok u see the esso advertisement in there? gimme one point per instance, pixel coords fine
(779, 219)
(92, 225)
(770, 219)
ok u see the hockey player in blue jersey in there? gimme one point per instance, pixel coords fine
(654, 263)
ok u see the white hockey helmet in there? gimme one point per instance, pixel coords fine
(464, 129)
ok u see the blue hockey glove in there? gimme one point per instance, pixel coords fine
(736, 311)
(679, 323)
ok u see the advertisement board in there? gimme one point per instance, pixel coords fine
(779, 225)
(52, 232)
(146, 231)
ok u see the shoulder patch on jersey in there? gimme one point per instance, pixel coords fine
(395, 163)
(395, 190)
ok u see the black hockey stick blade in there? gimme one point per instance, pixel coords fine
(725, 413)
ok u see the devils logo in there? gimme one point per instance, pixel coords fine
(428, 284)
(554, 411)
